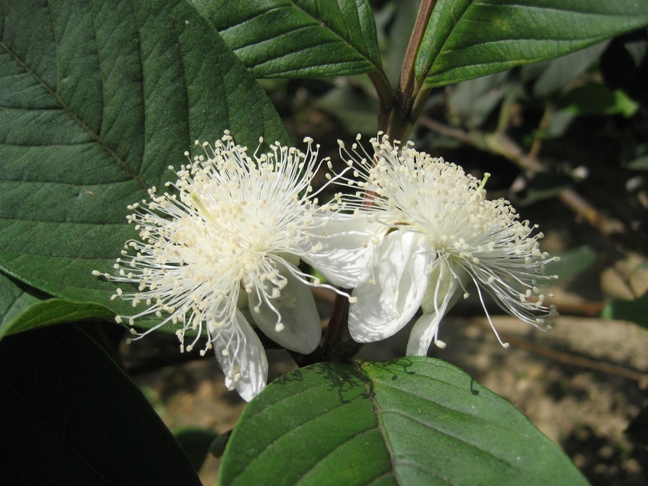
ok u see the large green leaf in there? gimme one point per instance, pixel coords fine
(288, 38)
(411, 421)
(466, 39)
(97, 100)
(70, 416)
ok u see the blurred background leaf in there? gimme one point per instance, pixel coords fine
(629, 310)
(572, 261)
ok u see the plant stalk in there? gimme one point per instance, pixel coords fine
(401, 122)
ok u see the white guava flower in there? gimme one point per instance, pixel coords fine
(230, 239)
(443, 234)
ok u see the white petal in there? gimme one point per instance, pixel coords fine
(302, 327)
(345, 244)
(392, 288)
(424, 330)
(241, 356)
(444, 289)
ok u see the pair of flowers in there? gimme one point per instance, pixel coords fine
(222, 251)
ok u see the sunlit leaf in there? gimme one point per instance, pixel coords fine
(411, 421)
(466, 39)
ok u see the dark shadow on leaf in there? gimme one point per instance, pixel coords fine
(343, 379)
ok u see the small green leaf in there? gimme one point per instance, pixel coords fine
(572, 261)
(97, 100)
(71, 416)
(629, 310)
(597, 99)
(419, 420)
(298, 38)
(467, 39)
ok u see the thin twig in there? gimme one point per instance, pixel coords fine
(606, 226)
(406, 81)
(385, 97)
(400, 122)
(570, 359)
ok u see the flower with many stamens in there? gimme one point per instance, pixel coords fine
(226, 244)
(443, 234)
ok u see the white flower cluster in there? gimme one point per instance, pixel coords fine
(443, 234)
(220, 252)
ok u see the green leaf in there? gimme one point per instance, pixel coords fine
(419, 420)
(597, 99)
(71, 416)
(297, 38)
(467, 39)
(97, 100)
(629, 310)
(572, 261)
